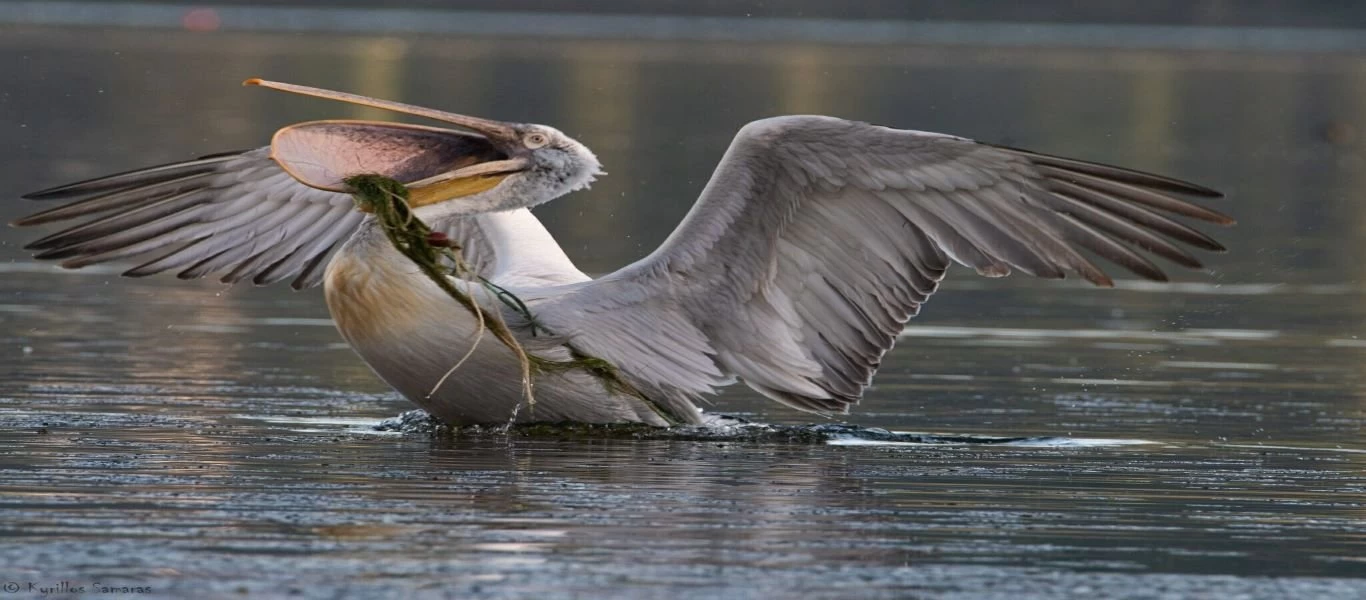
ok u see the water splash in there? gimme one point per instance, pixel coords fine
(722, 428)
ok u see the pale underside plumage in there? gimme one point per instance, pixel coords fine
(813, 244)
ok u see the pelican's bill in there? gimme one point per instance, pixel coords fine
(436, 164)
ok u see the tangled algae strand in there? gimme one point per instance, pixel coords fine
(387, 199)
(431, 251)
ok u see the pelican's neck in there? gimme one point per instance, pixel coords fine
(525, 252)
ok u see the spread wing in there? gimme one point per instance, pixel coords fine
(237, 215)
(817, 239)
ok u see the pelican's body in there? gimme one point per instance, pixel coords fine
(411, 333)
(813, 244)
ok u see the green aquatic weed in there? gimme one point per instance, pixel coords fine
(432, 252)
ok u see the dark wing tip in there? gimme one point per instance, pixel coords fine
(133, 178)
(61, 213)
(1188, 188)
(1209, 215)
(222, 155)
(53, 193)
(86, 186)
(1126, 175)
(54, 253)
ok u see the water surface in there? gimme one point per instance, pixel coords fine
(1202, 439)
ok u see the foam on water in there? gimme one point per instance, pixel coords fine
(317, 424)
(722, 428)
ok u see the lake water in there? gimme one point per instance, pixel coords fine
(1201, 439)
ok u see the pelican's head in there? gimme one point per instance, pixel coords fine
(492, 166)
(555, 164)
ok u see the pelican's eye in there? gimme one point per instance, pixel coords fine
(535, 140)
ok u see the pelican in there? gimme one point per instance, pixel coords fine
(814, 242)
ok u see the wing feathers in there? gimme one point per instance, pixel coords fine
(124, 199)
(307, 257)
(1140, 195)
(1123, 230)
(140, 214)
(312, 275)
(280, 243)
(1137, 214)
(817, 239)
(134, 179)
(233, 247)
(1098, 171)
(1087, 237)
(316, 238)
(237, 212)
